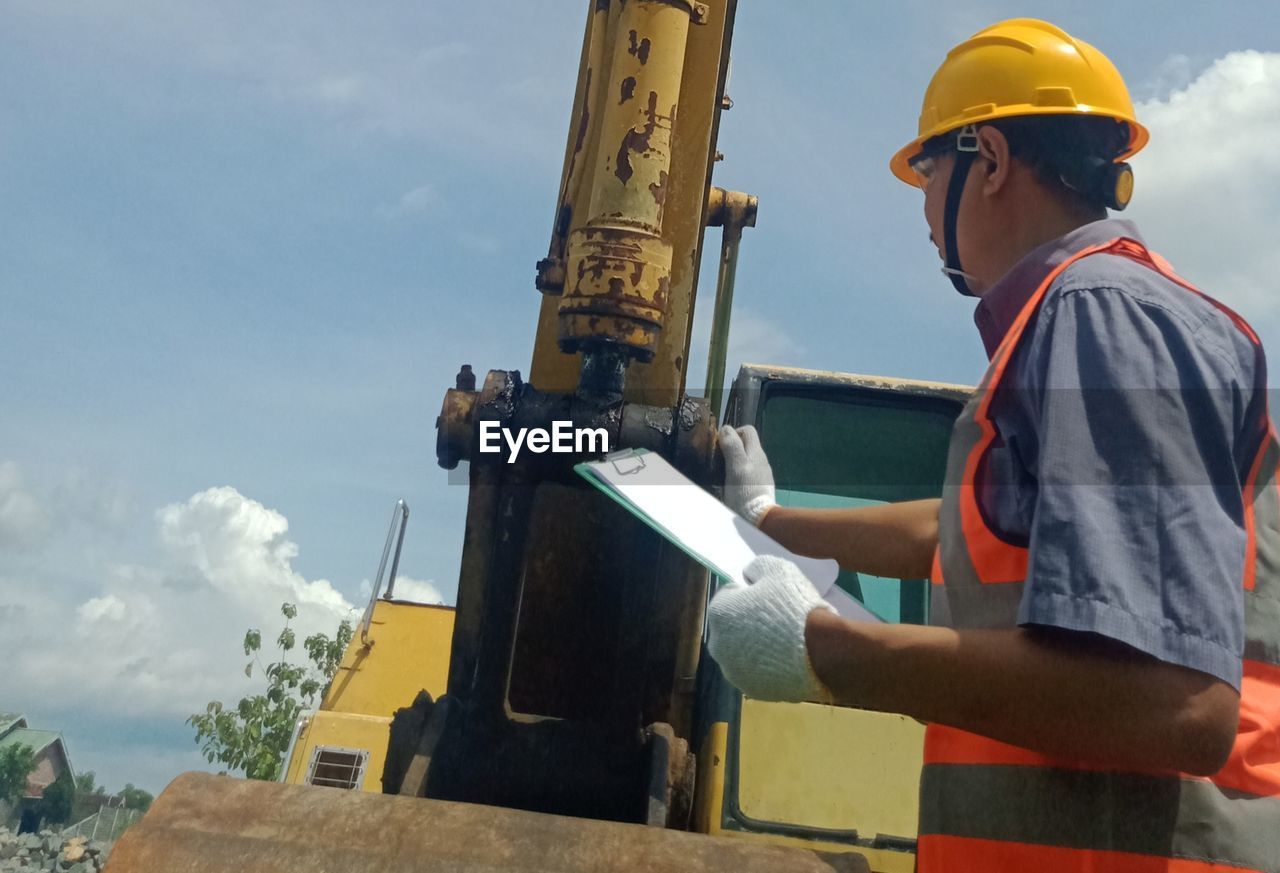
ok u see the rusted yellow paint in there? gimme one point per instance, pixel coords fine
(708, 802)
(618, 263)
(204, 823)
(692, 162)
(552, 369)
(617, 271)
(656, 201)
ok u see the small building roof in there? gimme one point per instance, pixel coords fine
(11, 720)
(37, 740)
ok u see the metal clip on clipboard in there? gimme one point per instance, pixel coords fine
(626, 461)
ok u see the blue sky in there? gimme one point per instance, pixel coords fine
(244, 248)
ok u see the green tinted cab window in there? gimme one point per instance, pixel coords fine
(851, 447)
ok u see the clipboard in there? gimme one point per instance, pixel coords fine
(693, 520)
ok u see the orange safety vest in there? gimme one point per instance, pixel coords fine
(987, 807)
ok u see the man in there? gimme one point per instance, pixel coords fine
(1101, 676)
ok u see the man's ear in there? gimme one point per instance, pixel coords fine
(993, 148)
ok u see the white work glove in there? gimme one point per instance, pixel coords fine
(756, 632)
(748, 478)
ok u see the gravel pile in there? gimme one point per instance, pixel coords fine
(46, 852)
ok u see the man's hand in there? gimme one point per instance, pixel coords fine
(748, 478)
(757, 632)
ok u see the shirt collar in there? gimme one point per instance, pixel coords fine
(998, 308)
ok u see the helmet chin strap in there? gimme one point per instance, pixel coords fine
(966, 151)
(961, 274)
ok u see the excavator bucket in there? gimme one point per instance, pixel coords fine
(204, 823)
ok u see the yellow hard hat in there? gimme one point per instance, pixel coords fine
(1022, 66)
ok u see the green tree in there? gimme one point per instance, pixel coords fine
(15, 763)
(136, 798)
(55, 802)
(87, 783)
(254, 736)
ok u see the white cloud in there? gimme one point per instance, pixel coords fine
(109, 609)
(413, 202)
(339, 90)
(239, 547)
(1208, 185)
(162, 637)
(754, 339)
(406, 588)
(1174, 74)
(93, 498)
(30, 512)
(480, 244)
(24, 519)
(417, 590)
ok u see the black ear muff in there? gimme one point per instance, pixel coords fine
(1105, 182)
(1117, 188)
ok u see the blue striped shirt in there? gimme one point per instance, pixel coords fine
(1126, 422)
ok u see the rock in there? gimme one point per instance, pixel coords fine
(30, 842)
(74, 852)
(77, 841)
(95, 849)
(8, 850)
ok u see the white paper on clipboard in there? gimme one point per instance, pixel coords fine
(703, 527)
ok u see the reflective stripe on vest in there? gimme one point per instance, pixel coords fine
(988, 806)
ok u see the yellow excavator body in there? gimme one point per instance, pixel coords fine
(402, 648)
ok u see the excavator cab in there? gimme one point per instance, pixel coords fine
(805, 774)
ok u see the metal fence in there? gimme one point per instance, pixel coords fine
(106, 825)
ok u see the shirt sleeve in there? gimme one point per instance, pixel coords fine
(1137, 530)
